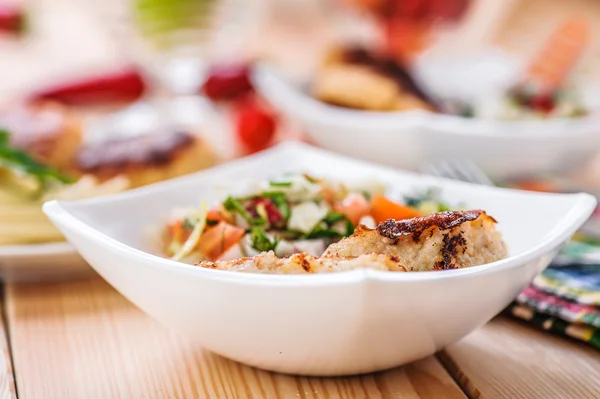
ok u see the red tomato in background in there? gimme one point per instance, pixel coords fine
(254, 125)
(12, 19)
(407, 24)
(226, 82)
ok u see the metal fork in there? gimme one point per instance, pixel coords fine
(461, 170)
(469, 172)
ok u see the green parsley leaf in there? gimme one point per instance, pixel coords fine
(4, 137)
(20, 162)
(260, 240)
(333, 217)
(283, 206)
(310, 179)
(235, 205)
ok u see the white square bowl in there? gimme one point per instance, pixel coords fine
(329, 324)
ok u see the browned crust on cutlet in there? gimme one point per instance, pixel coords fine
(122, 153)
(416, 226)
(449, 251)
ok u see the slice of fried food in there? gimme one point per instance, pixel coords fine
(353, 77)
(146, 159)
(442, 241)
(356, 86)
(302, 263)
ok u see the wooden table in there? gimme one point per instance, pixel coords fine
(83, 340)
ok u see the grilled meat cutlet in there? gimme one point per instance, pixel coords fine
(355, 78)
(442, 241)
(302, 263)
(146, 159)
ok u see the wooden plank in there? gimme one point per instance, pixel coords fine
(509, 359)
(7, 382)
(83, 340)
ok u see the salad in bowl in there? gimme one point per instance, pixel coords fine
(299, 223)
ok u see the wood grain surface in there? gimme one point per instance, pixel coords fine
(508, 359)
(84, 340)
(7, 382)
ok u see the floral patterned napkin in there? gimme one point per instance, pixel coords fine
(565, 298)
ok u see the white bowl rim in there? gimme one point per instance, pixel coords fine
(42, 249)
(583, 206)
(311, 109)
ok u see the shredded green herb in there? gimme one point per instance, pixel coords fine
(428, 201)
(270, 194)
(235, 205)
(320, 232)
(280, 183)
(349, 227)
(282, 205)
(20, 162)
(262, 212)
(334, 217)
(188, 224)
(325, 229)
(311, 179)
(260, 240)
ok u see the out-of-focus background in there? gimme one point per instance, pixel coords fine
(482, 60)
(66, 38)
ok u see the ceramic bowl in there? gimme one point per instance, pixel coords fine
(328, 324)
(413, 139)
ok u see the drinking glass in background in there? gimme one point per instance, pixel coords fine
(409, 26)
(172, 41)
(171, 44)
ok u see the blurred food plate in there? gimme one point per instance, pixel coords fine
(413, 137)
(47, 153)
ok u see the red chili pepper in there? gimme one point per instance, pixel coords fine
(255, 126)
(122, 86)
(12, 19)
(226, 82)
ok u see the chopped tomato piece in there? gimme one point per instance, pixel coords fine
(383, 209)
(218, 239)
(218, 214)
(354, 206)
(274, 216)
(177, 232)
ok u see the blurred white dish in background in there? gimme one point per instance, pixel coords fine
(325, 324)
(411, 139)
(467, 77)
